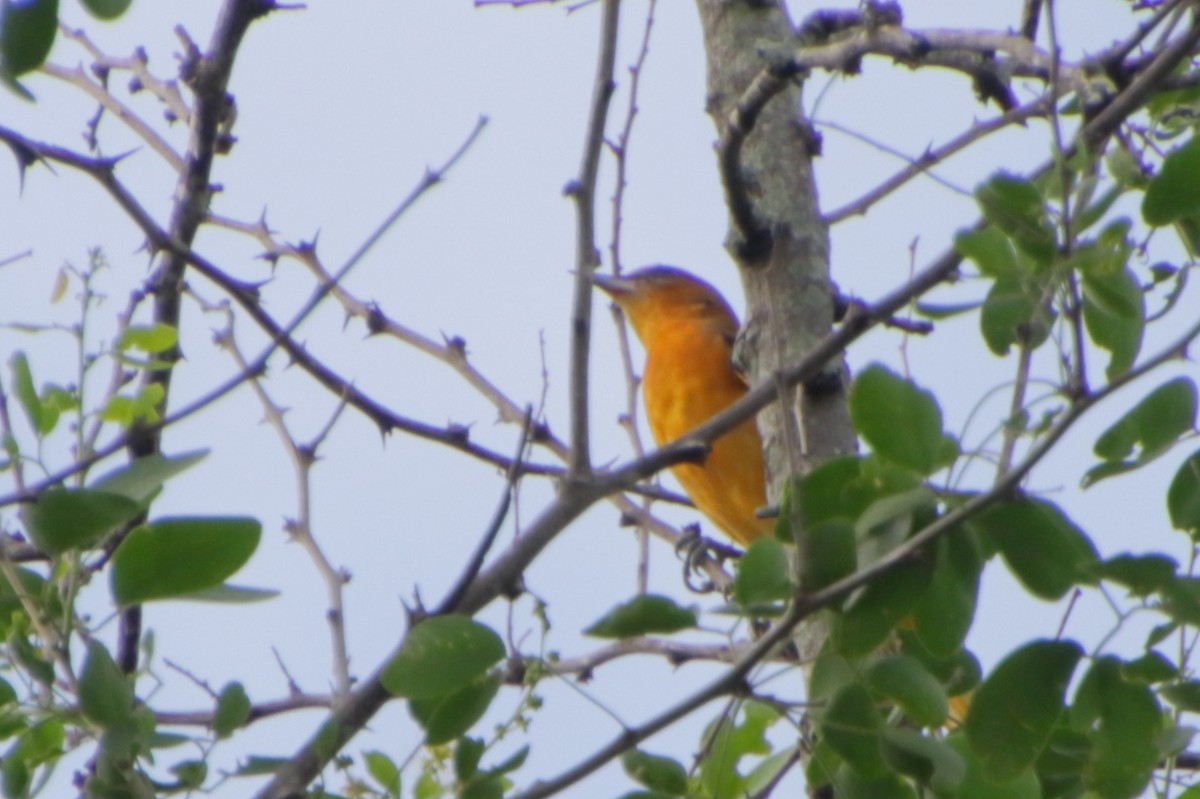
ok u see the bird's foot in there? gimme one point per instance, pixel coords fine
(698, 551)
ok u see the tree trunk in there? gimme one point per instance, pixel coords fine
(785, 271)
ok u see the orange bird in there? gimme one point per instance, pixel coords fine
(688, 329)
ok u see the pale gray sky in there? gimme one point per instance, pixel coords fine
(340, 109)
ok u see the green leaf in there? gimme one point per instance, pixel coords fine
(644, 614)
(1016, 707)
(1124, 723)
(148, 338)
(1061, 764)
(1141, 574)
(107, 9)
(990, 249)
(1181, 600)
(233, 709)
(832, 554)
(1156, 422)
(1096, 211)
(1013, 312)
(126, 410)
(900, 421)
(873, 614)
(762, 574)
(927, 759)
(62, 519)
(1183, 495)
(170, 558)
(1150, 668)
(958, 672)
(483, 787)
(851, 784)
(445, 718)
(26, 34)
(978, 784)
(821, 769)
(41, 743)
(1124, 168)
(14, 776)
(945, 610)
(30, 658)
(258, 766)
(729, 742)
(1105, 256)
(768, 772)
(1040, 545)
(441, 656)
(1174, 192)
(1175, 740)
(1109, 323)
(384, 771)
(852, 725)
(655, 772)
(105, 695)
(26, 392)
(1184, 695)
(830, 673)
(1015, 206)
(842, 488)
(917, 692)
(887, 510)
(190, 773)
(467, 754)
(142, 479)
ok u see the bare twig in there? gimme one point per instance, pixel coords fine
(78, 78)
(300, 528)
(620, 150)
(475, 563)
(923, 163)
(583, 191)
(167, 91)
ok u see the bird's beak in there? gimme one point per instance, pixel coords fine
(614, 287)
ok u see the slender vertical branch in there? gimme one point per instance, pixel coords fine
(208, 75)
(620, 150)
(583, 191)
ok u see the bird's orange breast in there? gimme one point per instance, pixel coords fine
(689, 377)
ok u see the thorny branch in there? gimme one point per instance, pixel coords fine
(579, 494)
(208, 75)
(302, 458)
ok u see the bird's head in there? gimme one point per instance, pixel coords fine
(665, 295)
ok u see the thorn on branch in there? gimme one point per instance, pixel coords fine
(456, 346)
(539, 432)
(306, 454)
(458, 433)
(189, 60)
(376, 320)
